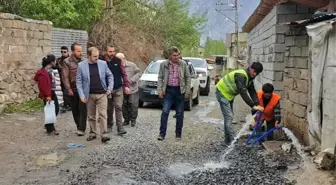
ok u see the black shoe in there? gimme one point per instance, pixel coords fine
(105, 139)
(133, 123)
(91, 137)
(160, 138)
(121, 131)
(178, 138)
(126, 123)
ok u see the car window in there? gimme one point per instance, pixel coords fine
(199, 63)
(153, 68)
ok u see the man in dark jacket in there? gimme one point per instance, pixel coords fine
(69, 72)
(121, 85)
(60, 61)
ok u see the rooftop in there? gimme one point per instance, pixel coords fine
(266, 6)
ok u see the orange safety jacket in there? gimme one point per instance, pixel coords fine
(268, 113)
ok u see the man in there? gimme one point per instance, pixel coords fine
(60, 61)
(120, 86)
(131, 100)
(173, 87)
(93, 90)
(69, 71)
(237, 82)
(272, 112)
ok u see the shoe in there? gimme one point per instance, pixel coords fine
(105, 139)
(91, 137)
(80, 133)
(121, 130)
(160, 138)
(53, 133)
(133, 123)
(178, 138)
(126, 123)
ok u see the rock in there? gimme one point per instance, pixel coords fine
(2, 108)
(325, 160)
(287, 147)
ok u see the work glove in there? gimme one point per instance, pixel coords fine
(258, 108)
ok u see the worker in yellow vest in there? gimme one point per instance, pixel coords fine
(237, 82)
(271, 101)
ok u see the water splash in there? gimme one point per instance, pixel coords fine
(242, 131)
(295, 142)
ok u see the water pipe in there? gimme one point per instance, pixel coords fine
(256, 128)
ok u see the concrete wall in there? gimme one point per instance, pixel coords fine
(66, 37)
(267, 44)
(23, 43)
(296, 82)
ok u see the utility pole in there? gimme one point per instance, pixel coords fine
(234, 6)
(237, 32)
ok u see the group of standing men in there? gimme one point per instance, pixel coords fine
(103, 84)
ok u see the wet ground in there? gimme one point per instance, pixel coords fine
(29, 156)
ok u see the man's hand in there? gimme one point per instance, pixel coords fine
(186, 96)
(161, 95)
(48, 98)
(127, 90)
(83, 100)
(260, 108)
(108, 92)
(70, 93)
(277, 124)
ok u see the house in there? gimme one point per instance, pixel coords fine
(280, 37)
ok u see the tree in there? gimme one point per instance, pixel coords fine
(214, 47)
(76, 14)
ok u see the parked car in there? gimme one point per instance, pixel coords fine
(203, 70)
(148, 85)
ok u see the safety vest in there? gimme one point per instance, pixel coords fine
(227, 85)
(268, 113)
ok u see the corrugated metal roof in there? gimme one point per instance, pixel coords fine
(266, 6)
(313, 20)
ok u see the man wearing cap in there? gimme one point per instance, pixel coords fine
(237, 82)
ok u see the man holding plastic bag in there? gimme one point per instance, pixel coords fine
(47, 85)
(93, 90)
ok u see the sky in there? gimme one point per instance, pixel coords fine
(217, 25)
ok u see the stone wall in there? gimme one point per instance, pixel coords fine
(23, 43)
(267, 43)
(296, 82)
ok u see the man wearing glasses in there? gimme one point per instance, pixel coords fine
(65, 54)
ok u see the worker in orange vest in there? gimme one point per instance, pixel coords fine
(271, 102)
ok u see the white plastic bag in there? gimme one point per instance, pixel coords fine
(49, 113)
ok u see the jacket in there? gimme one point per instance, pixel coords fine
(238, 82)
(83, 78)
(118, 71)
(133, 75)
(184, 75)
(246, 90)
(272, 109)
(44, 83)
(69, 71)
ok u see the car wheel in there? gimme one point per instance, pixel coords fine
(196, 100)
(207, 88)
(141, 103)
(188, 104)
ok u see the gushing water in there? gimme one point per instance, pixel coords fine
(244, 128)
(295, 142)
